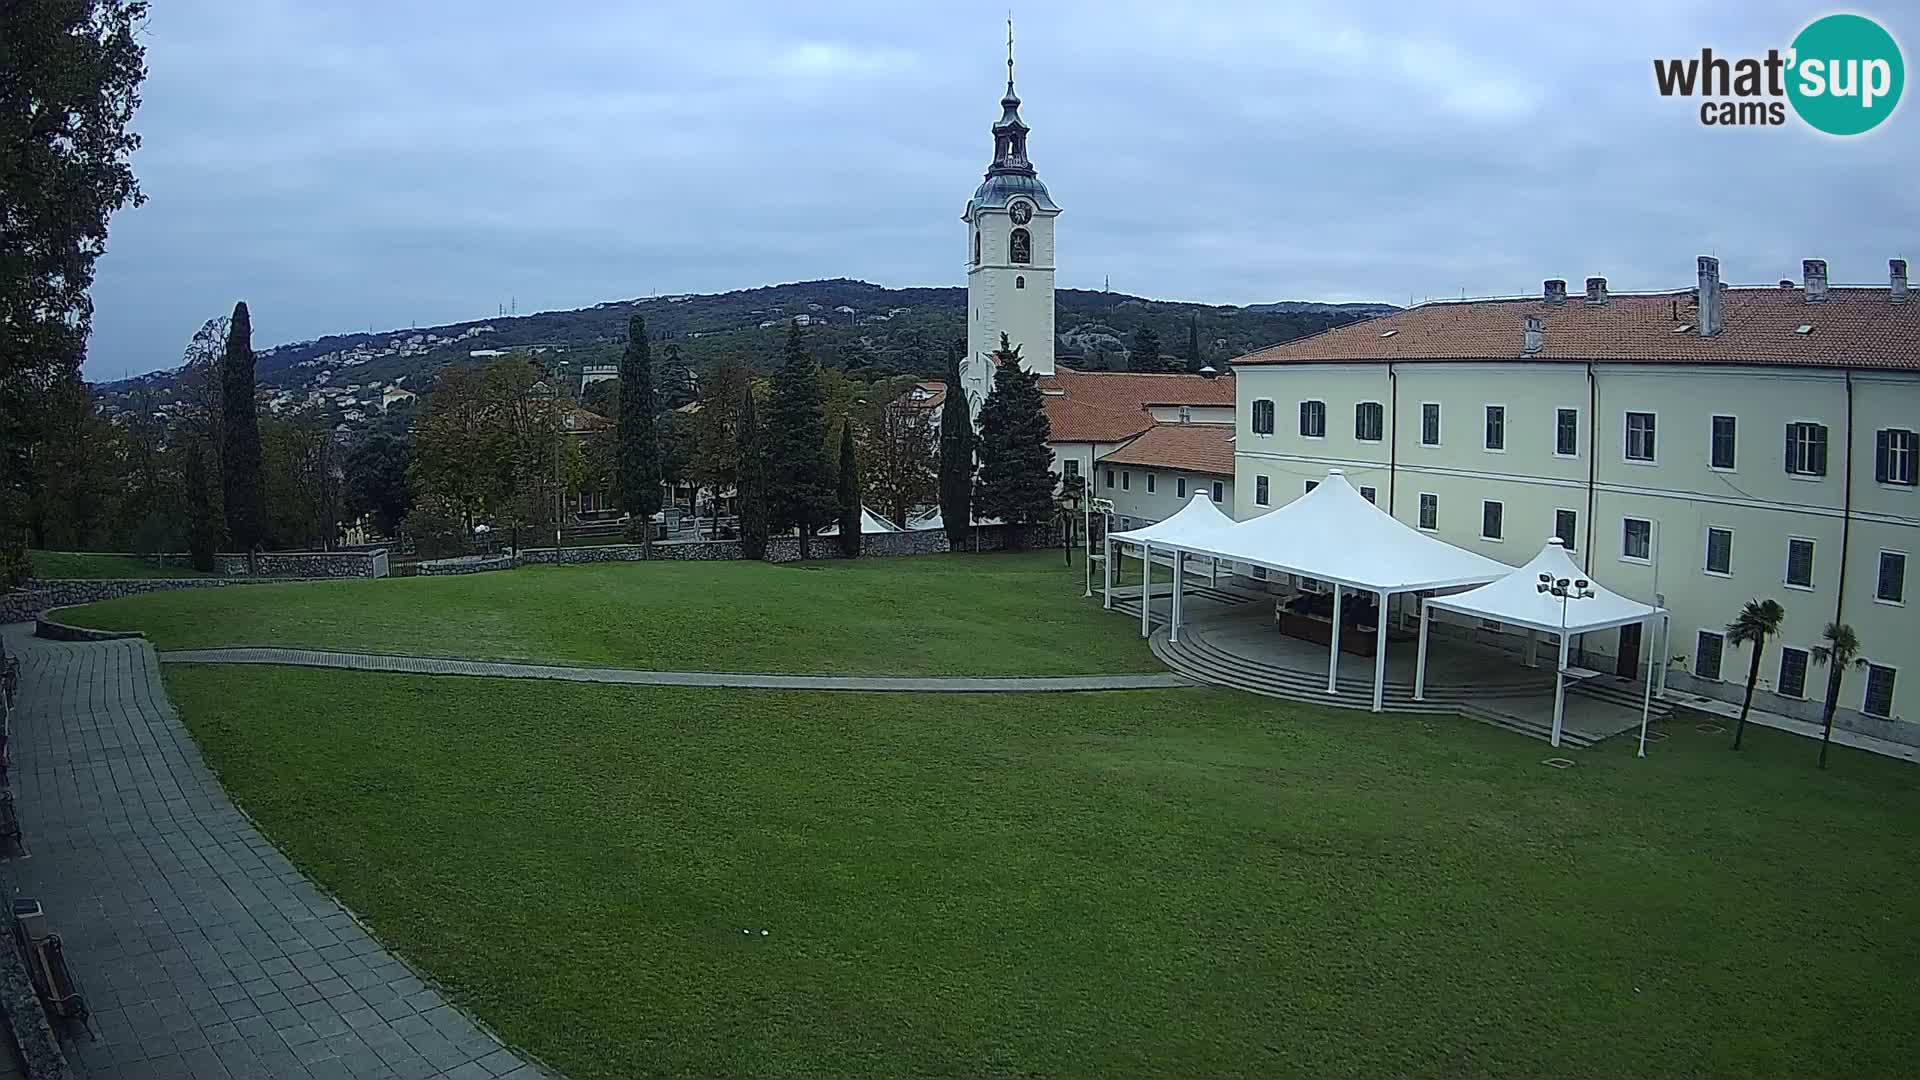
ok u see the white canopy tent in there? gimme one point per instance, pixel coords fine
(1192, 524)
(1334, 534)
(871, 524)
(1553, 595)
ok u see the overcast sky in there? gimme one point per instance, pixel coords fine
(346, 165)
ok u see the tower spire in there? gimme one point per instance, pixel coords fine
(1010, 133)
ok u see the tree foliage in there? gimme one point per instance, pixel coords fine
(1145, 353)
(639, 443)
(750, 457)
(206, 517)
(850, 516)
(715, 451)
(1839, 649)
(240, 461)
(302, 478)
(800, 489)
(1757, 622)
(956, 458)
(1016, 484)
(70, 73)
(899, 459)
(675, 385)
(1195, 360)
(376, 482)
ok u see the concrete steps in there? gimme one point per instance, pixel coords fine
(1625, 693)
(1195, 658)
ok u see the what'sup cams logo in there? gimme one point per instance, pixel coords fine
(1843, 75)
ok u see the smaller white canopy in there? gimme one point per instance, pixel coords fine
(870, 524)
(1193, 525)
(1517, 599)
(1333, 533)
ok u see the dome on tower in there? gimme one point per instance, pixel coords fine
(998, 189)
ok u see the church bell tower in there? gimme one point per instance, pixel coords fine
(1009, 225)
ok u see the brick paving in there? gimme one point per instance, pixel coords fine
(201, 950)
(428, 665)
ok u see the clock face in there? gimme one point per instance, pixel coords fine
(1022, 213)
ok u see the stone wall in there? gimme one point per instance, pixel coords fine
(40, 595)
(303, 564)
(465, 564)
(785, 549)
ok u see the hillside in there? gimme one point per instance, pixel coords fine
(849, 324)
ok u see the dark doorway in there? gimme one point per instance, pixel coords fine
(1629, 666)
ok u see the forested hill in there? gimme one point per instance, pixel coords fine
(849, 323)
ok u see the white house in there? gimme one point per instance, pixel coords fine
(1707, 446)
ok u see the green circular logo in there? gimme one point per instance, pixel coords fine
(1846, 74)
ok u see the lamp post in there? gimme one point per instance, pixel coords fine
(1565, 589)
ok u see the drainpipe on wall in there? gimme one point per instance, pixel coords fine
(1593, 457)
(1846, 510)
(1393, 439)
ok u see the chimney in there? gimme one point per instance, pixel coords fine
(1554, 291)
(1815, 273)
(1534, 336)
(1596, 290)
(1897, 277)
(1710, 302)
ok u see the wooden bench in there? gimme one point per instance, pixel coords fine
(46, 963)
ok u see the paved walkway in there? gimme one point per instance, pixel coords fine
(425, 665)
(201, 950)
(1730, 712)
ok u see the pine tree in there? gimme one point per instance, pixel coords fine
(1145, 355)
(850, 516)
(1016, 485)
(242, 478)
(638, 446)
(676, 385)
(750, 463)
(1194, 360)
(956, 458)
(800, 488)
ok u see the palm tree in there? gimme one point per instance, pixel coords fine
(1757, 622)
(1842, 648)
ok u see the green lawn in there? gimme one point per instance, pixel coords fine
(945, 614)
(94, 564)
(1180, 883)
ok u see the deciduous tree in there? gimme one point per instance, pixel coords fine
(376, 481)
(1016, 484)
(900, 459)
(716, 440)
(70, 73)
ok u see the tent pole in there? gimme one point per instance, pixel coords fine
(1380, 651)
(1646, 693)
(1146, 589)
(1333, 650)
(1420, 661)
(1560, 689)
(1106, 571)
(1173, 617)
(1533, 647)
(1666, 650)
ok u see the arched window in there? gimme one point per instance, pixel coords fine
(1020, 282)
(1022, 246)
(976, 247)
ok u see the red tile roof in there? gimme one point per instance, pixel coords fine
(1110, 406)
(1201, 448)
(1856, 326)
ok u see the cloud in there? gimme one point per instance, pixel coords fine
(357, 164)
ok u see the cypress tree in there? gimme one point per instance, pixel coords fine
(242, 480)
(750, 487)
(956, 458)
(205, 517)
(637, 445)
(1016, 484)
(849, 493)
(1194, 362)
(800, 489)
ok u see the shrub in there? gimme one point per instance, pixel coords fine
(435, 529)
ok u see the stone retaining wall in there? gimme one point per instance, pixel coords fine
(785, 549)
(465, 564)
(42, 594)
(303, 564)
